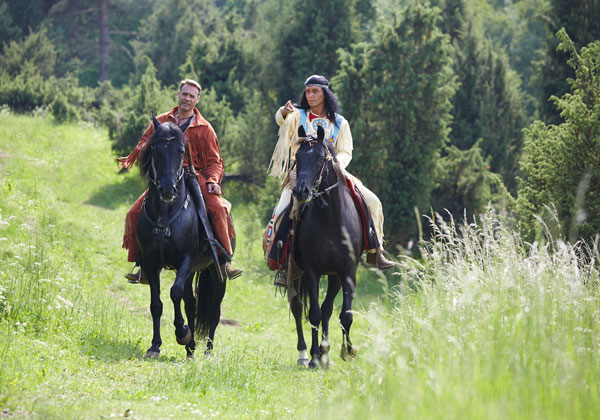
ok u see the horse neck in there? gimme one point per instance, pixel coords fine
(336, 198)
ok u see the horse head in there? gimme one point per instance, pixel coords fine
(161, 159)
(311, 163)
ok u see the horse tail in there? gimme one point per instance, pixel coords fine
(303, 293)
(209, 294)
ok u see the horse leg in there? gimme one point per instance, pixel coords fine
(156, 308)
(296, 307)
(314, 315)
(189, 303)
(348, 286)
(333, 287)
(182, 331)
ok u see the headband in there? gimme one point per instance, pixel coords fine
(316, 81)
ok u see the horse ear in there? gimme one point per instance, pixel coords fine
(154, 120)
(301, 132)
(320, 133)
(185, 125)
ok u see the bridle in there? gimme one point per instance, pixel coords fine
(154, 178)
(323, 172)
(162, 228)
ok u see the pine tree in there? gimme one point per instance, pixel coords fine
(310, 33)
(396, 94)
(487, 105)
(561, 164)
(581, 20)
(148, 96)
(167, 34)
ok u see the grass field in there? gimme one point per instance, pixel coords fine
(482, 327)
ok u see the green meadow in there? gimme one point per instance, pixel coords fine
(481, 326)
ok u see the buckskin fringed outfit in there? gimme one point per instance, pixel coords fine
(281, 164)
(206, 157)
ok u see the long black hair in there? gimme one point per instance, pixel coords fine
(331, 102)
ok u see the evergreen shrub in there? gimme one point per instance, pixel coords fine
(25, 91)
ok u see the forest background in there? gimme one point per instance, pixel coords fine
(489, 109)
(453, 104)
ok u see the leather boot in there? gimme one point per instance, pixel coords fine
(137, 277)
(230, 272)
(379, 260)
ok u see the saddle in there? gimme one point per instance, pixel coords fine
(205, 219)
(278, 250)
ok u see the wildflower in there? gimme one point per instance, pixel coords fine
(64, 301)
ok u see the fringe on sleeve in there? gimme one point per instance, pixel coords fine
(343, 145)
(284, 150)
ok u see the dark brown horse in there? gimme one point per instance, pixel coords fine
(171, 236)
(328, 242)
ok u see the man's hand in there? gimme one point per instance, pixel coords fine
(214, 188)
(288, 108)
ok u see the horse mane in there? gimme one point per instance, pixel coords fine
(335, 163)
(165, 131)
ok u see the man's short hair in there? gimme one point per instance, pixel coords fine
(190, 82)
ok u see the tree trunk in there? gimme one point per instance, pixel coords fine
(103, 26)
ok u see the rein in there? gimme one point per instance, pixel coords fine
(316, 193)
(162, 230)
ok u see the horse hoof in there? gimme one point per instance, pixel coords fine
(302, 358)
(348, 354)
(186, 338)
(152, 354)
(314, 364)
(189, 357)
(302, 362)
(353, 352)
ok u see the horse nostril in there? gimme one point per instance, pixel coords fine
(302, 193)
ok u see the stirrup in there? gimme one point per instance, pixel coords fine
(384, 260)
(378, 259)
(230, 272)
(281, 279)
(137, 277)
(134, 278)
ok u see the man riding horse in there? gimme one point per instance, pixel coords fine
(318, 106)
(206, 159)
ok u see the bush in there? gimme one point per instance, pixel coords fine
(25, 91)
(465, 185)
(36, 50)
(62, 110)
(128, 122)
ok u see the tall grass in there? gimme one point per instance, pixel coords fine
(491, 328)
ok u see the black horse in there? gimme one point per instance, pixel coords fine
(171, 236)
(328, 242)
